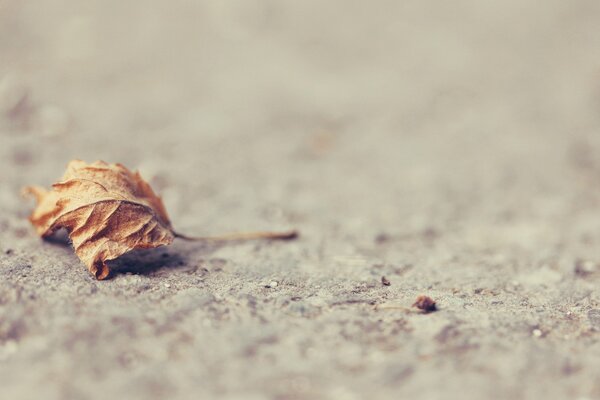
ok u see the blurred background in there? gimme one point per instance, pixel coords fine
(375, 100)
(453, 146)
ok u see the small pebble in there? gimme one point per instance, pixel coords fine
(167, 285)
(425, 304)
(584, 268)
(272, 284)
(385, 281)
(537, 333)
(382, 238)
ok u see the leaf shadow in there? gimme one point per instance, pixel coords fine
(180, 256)
(161, 260)
(59, 237)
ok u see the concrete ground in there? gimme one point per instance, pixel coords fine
(452, 147)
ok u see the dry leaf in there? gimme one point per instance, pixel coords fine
(108, 211)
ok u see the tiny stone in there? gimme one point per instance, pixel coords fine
(272, 284)
(167, 285)
(537, 333)
(8, 252)
(584, 268)
(382, 238)
(385, 281)
(425, 303)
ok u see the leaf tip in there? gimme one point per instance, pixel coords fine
(294, 234)
(100, 271)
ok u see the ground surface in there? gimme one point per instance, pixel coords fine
(452, 147)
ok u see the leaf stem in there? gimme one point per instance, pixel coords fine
(241, 236)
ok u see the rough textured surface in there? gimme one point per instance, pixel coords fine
(452, 147)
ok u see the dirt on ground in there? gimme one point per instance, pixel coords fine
(444, 149)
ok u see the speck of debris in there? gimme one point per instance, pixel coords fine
(584, 268)
(536, 333)
(21, 232)
(425, 304)
(382, 238)
(385, 281)
(9, 252)
(272, 284)
(167, 285)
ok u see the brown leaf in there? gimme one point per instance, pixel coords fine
(107, 211)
